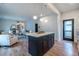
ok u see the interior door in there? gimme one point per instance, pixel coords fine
(68, 29)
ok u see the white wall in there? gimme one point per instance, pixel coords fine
(50, 26)
(69, 15)
(54, 9)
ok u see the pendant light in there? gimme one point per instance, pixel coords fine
(46, 21)
(43, 14)
(41, 10)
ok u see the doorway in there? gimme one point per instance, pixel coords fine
(68, 29)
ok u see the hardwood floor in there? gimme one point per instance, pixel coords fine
(61, 48)
(18, 49)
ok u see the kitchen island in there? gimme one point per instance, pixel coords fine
(39, 43)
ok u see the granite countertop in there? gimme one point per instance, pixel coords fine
(39, 34)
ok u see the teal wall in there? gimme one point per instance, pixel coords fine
(5, 24)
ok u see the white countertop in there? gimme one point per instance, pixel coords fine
(39, 35)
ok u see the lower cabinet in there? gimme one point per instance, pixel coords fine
(39, 46)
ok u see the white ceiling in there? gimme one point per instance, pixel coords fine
(24, 9)
(66, 7)
(32, 9)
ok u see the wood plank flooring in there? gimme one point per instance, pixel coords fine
(60, 48)
(63, 48)
(18, 49)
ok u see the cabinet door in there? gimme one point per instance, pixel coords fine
(45, 44)
(32, 46)
(40, 46)
(51, 40)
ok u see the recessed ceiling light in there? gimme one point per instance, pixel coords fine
(34, 17)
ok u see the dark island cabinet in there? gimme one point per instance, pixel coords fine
(38, 46)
